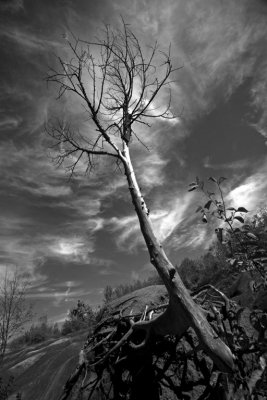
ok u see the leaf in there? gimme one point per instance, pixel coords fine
(242, 209)
(192, 188)
(212, 179)
(264, 321)
(261, 251)
(201, 185)
(221, 179)
(232, 261)
(252, 236)
(204, 219)
(198, 209)
(240, 219)
(208, 204)
(231, 209)
(258, 263)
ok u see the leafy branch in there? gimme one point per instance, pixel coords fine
(243, 246)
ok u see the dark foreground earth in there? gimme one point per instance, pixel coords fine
(41, 371)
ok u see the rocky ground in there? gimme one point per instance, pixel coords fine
(41, 370)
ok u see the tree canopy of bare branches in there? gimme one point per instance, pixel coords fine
(15, 312)
(117, 85)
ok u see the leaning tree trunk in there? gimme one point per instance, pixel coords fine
(182, 312)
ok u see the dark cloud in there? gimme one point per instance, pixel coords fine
(11, 6)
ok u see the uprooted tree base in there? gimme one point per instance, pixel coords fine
(122, 360)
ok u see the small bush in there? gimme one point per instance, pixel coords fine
(80, 317)
(210, 268)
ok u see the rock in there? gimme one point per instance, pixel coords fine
(136, 301)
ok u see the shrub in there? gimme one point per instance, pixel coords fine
(210, 268)
(6, 387)
(80, 317)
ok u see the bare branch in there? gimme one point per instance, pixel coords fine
(117, 84)
(72, 146)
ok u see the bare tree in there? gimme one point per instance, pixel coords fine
(118, 85)
(15, 312)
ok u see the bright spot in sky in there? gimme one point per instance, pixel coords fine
(68, 247)
(247, 195)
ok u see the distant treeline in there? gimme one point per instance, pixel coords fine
(111, 293)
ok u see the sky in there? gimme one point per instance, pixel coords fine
(74, 237)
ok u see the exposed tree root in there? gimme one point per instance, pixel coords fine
(136, 351)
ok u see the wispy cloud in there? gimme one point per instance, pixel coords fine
(166, 216)
(127, 231)
(151, 170)
(18, 251)
(73, 248)
(49, 190)
(235, 165)
(219, 47)
(166, 219)
(28, 248)
(57, 297)
(12, 5)
(219, 44)
(194, 236)
(259, 100)
(10, 123)
(28, 41)
(29, 243)
(251, 192)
